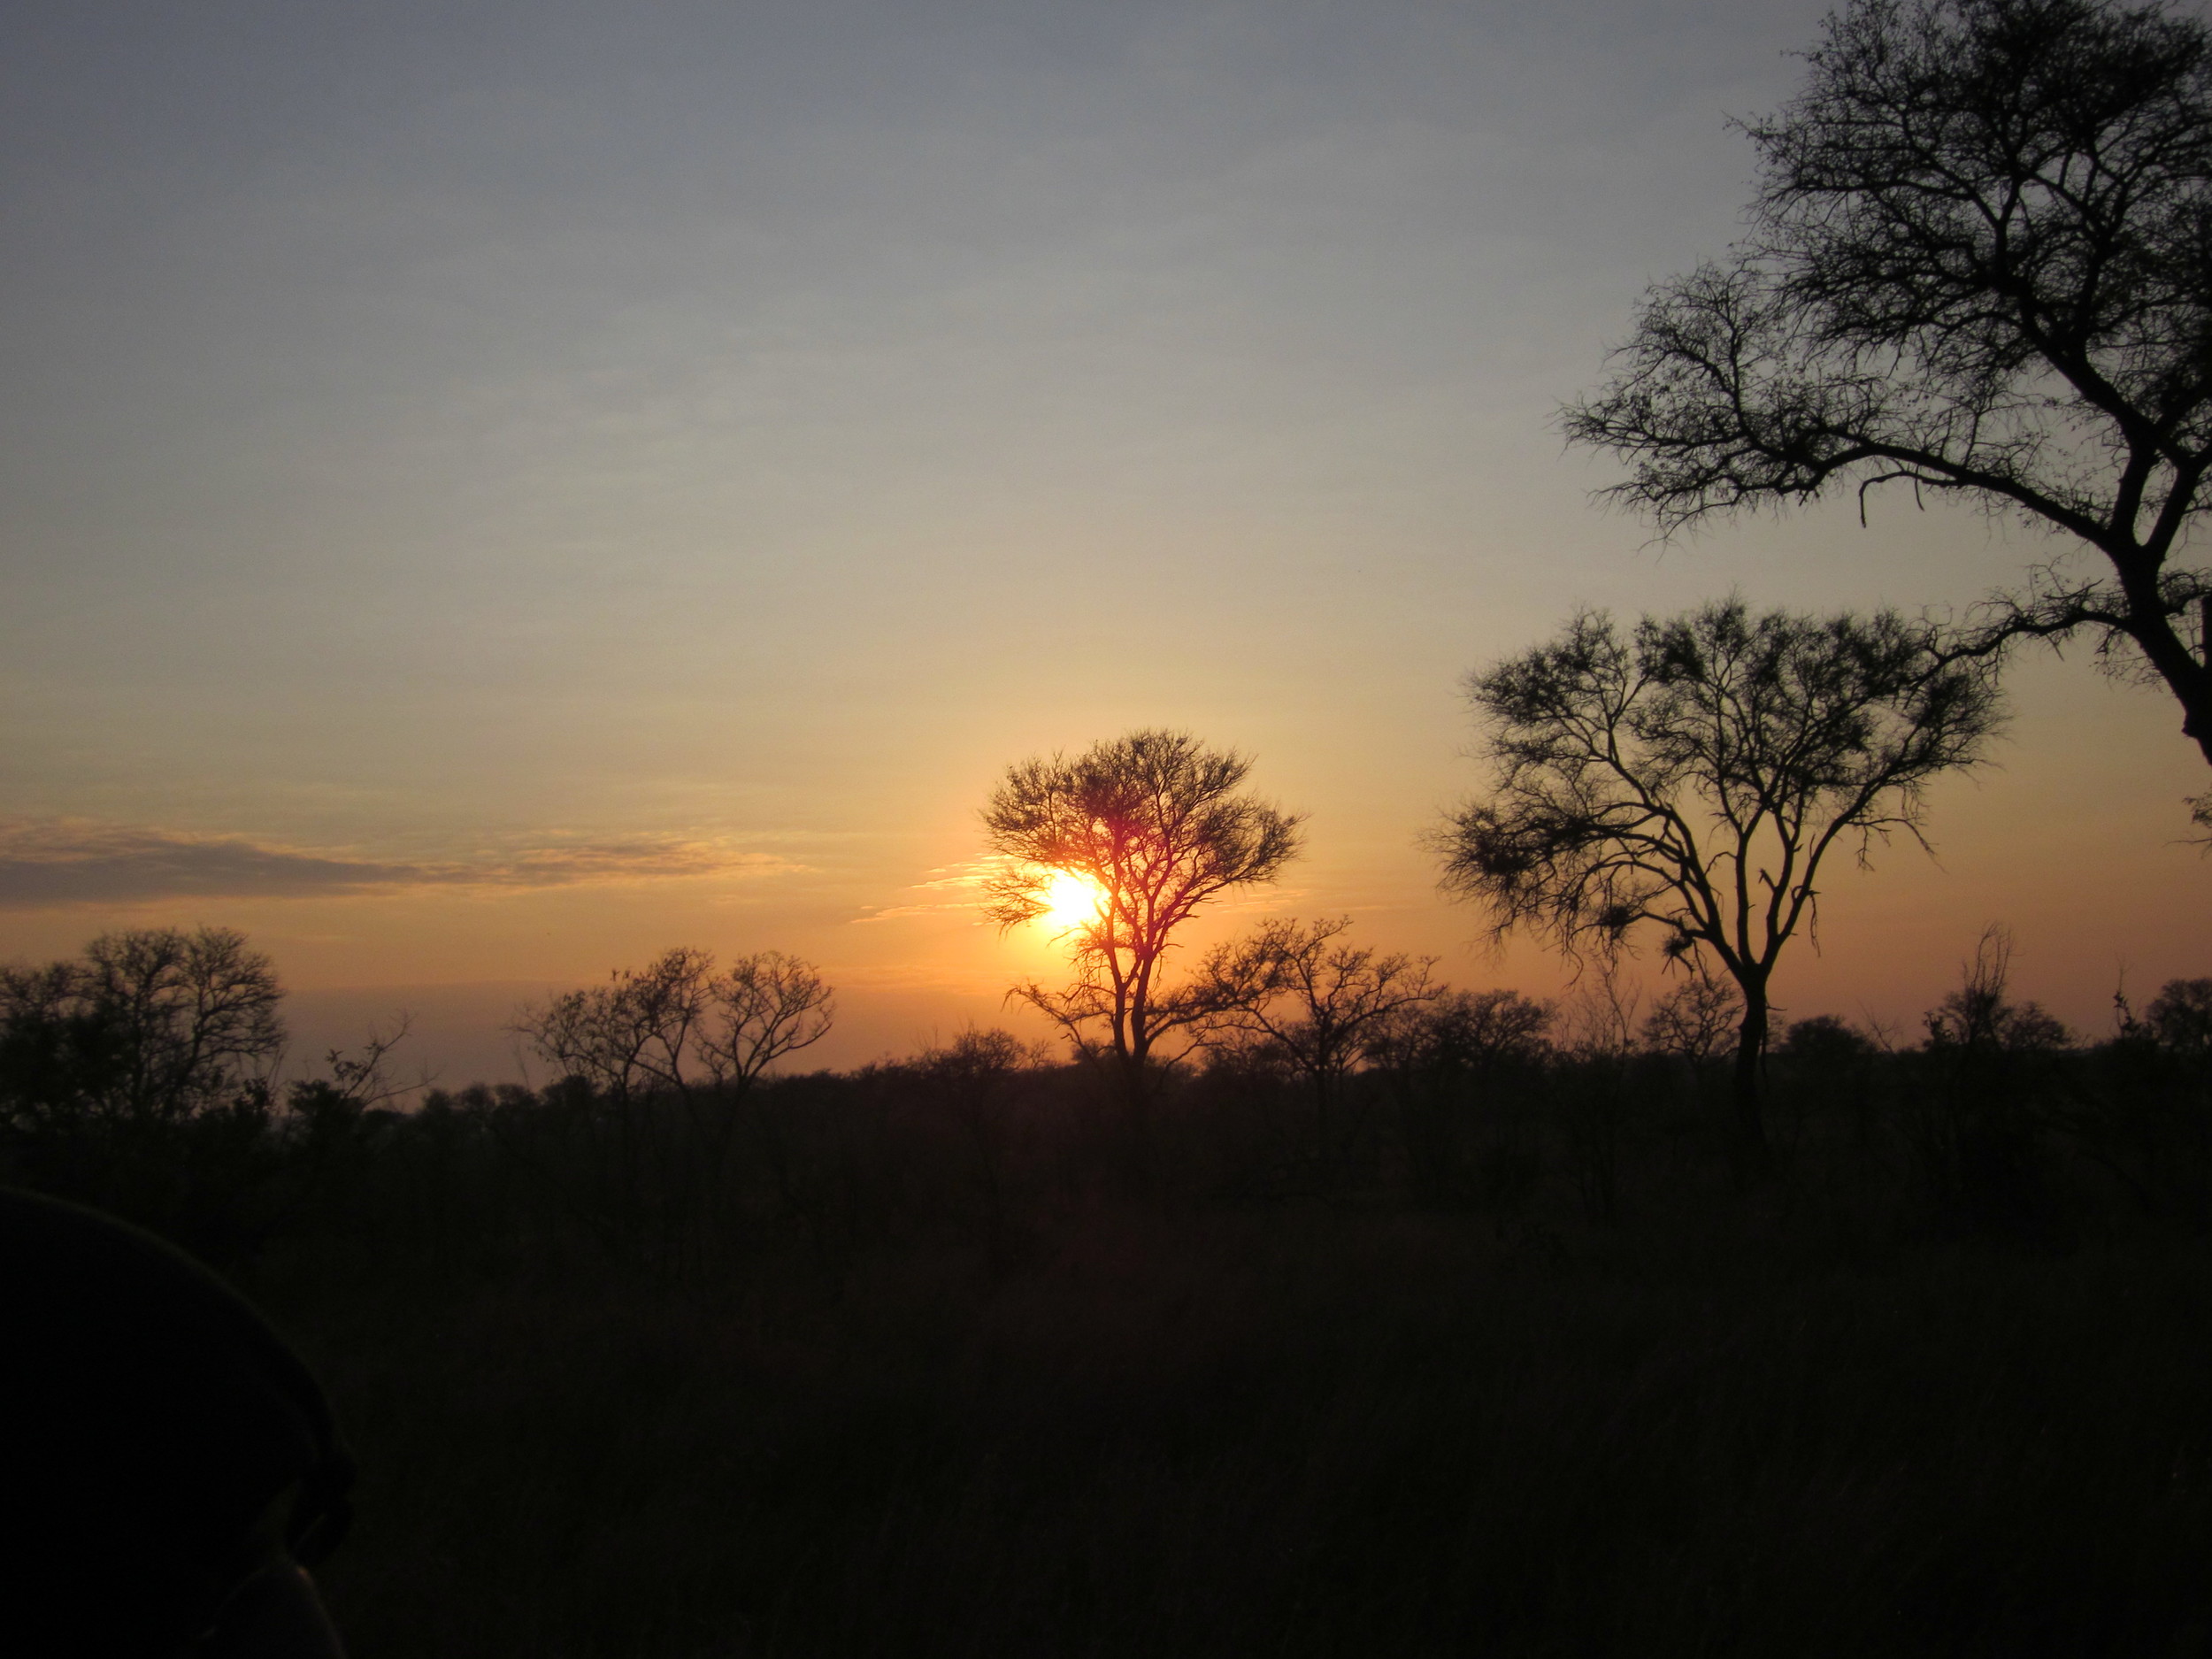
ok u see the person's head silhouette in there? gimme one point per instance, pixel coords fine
(168, 1468)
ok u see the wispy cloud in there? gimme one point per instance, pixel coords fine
(953, 888)
(56, 862)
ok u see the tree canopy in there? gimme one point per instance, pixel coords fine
(150, 1024)
(1695, 774)
(1160, 823)
(1979, 263)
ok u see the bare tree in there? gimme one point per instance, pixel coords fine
(1696, 775)
(766, 1007)
(361, 1079)
(1693, 1021)
(633, 1034)
(153, 1024)
(1980, 1014)
(1161, 825)
(675, 1025)
(1979, 262)
(677, 1032)
(1292, 986)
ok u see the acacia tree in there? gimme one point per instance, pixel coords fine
(1696, 775)
(1292, 986)
(1161, 824)
(1979, 262)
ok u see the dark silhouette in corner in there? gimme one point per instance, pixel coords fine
(170, 1467)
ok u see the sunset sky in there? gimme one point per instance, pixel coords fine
(490, 491)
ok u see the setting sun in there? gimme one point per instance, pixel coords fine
(1071, 900)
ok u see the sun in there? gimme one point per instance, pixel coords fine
(1071, 900)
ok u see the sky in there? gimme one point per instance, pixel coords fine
(491, 491)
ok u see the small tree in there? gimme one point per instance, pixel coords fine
(2179, 1017)
(1977, 263)
(1980, 1017)
(676, 1026)
(1161, 825)
(676, 1031)
(1693, 1021)
(1291, 987)
(972, 1080)
(1697, 775)
(1462, 1055)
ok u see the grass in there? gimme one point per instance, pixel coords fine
(1300, 1431)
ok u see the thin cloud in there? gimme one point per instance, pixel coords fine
(963, 881)
(52, 862)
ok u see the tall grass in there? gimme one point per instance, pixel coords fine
(932, 1372)
(1304, 1434)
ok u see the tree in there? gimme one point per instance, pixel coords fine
(972, 1081)
(1160, 825)
(1291, 987)
(1474, 1032)
(1697, 775)
(676, 1031)
(1694, 1020)
(767, 1007)
(2179, 1017)
(1981, 1018)
(151, 1025)
(1980, 263)
(1444, 1058)
(675, 1025)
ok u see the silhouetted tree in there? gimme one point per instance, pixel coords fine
(1470, 1030)
(1978, 1118)
(1160, 823)
(676, 1026)
(1980, 262)
(972, 1080)
(1831, 1063)
(1697, 775)
(765, 1008)
(675, 1031)
(2179, 1017)
(1446, 1059)
(1825, 1040)
(1980, 1017)
(149, 1025)
(1289, 986)
(1693, 1018)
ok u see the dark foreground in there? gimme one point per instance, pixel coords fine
(1290, 1433)
(1493, 1353)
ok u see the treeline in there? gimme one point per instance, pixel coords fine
(141, 1078)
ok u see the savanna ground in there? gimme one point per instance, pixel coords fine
(1501, 1356)
(1296, 1433)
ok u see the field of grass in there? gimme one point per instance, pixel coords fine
(1504, 1354)
(1303, 1430)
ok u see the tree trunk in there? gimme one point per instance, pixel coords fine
(2199, 710)
(2187, 674)
(1749, 1136)
(1129, 1084)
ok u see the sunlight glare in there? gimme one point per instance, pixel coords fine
(1071, 900)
